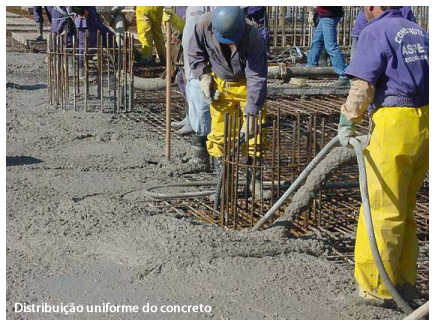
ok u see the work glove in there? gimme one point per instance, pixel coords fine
(346, 130)
(206, 88)
(250, 132)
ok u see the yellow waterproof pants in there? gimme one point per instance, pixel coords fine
(396, 163)
(233, 98)
(149, 29)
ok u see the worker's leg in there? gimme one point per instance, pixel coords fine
(329, 28)
(198, 108)
(156, 18)
(316, 47)
(48, 13)
(389, 168)
(144, 32)
(39, 20)
(408, 260)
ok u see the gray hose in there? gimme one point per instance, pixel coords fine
(401, 303)
(148, 191)
(301, 178)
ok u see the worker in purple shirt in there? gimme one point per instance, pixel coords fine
(227, 55)
(39, 20)
(361, 22)
(258, 15)
(62, 22)
(87, 20)
(390, 79)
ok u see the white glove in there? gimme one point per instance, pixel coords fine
(205, 86)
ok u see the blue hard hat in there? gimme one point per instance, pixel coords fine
(228, 23)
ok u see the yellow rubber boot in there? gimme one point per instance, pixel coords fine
(396, 163)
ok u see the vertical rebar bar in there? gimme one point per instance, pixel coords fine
(228, 170)
(253, 180)
(168, 87)
(75, 69)
(131, 72)
(223, 170)
(124, 71)
(119, 76)
(50, 93)
(115, 94)
(86, 71)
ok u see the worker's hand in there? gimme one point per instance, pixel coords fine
(166, 18)
(250, 133)
(346, 130)
(205, 87)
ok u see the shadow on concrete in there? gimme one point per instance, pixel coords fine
(26, 87)
(21, 160)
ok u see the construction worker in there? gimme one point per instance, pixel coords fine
(390, 74)
(228, 56)
(87, 21)
(325, 36)
(361, 22)
(148, 31)
(62, 22)
(39, 20)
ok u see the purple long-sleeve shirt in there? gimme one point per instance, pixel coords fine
(248, 62)
(361, 20)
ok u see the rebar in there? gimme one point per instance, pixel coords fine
(89, 77)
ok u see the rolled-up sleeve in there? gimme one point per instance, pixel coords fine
(256, 75)
(197, 55)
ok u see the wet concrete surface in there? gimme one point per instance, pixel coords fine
(72, 237)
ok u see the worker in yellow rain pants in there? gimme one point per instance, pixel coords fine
(396, 162)
(233, 98)
(149, 30)
(227, 54)
(393, 82)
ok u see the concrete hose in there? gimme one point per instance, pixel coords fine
(401, 303)
(301, 178)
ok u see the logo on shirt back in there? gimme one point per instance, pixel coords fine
(412, 51)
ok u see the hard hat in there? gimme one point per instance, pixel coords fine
(228, 23)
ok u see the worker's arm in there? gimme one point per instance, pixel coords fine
(197, 54)
(360, 96)
(256, 73)
(170, 15)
